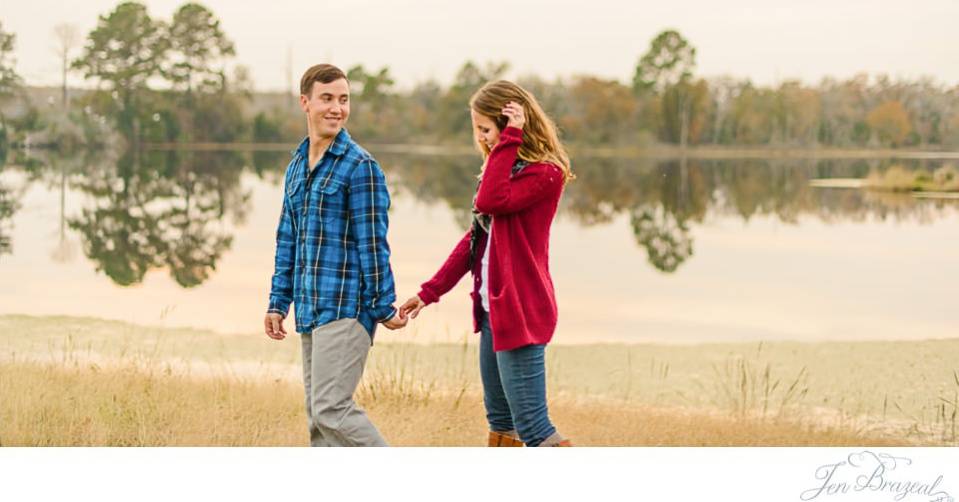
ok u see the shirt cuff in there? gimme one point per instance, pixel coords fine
(389, 316)
(277, 306)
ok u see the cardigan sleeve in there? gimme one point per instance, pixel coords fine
(498, 193)
(455, 267)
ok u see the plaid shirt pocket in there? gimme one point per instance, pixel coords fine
(332, 201)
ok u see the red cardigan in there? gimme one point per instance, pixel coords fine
(522, 302)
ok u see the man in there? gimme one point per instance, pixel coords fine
(333, 261)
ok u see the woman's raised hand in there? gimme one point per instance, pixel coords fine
(514, 112)
(412, 307)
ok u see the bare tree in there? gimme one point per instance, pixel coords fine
(68, 38)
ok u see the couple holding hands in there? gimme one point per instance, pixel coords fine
(332, 261)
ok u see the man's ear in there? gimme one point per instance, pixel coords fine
(303, 101)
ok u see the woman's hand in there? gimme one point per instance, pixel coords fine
(514, 111)
(412, 307)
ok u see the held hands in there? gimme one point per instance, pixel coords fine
(514, 112)
(407, 311)
(412, 307)
(273, 323)
(398, 320)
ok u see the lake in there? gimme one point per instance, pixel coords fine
(642, 250)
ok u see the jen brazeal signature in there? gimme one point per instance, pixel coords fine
(876, 473)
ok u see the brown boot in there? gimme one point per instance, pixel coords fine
(500, 439)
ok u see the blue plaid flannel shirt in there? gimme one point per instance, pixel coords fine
(332, 257)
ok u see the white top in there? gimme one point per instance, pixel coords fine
(484, 271)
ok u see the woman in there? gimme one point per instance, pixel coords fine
(507, 250)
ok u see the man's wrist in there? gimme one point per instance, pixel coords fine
(391, 314)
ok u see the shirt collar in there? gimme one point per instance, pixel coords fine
(338, 147)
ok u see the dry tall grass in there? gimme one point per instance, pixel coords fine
(68, 380)
(82, 404)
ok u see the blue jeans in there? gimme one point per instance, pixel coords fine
(514, 388)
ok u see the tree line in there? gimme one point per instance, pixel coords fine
(177, 80)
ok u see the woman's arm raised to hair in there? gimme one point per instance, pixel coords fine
(500, 195)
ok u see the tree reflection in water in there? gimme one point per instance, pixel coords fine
(160, 209)
(9, 203)
(664, 199)
(173, 210)
(8, 206)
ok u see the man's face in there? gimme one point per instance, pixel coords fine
(327, 107)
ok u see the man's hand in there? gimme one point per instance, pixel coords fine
(273, 324)
(398, 320)
(412, 307)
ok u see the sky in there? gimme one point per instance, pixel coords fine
(766, 41)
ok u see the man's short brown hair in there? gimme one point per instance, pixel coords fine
(322, 73)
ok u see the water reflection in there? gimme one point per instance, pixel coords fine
(55, 172)
(8, 206)
(151, 210)
(450, 180)
(663, 199)
(175, 210)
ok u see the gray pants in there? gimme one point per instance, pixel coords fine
(333, 358)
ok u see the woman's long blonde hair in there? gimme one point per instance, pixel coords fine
(540, 137)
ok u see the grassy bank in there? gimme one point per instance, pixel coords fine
(900, 179)
(47, 404)
(89, 381)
